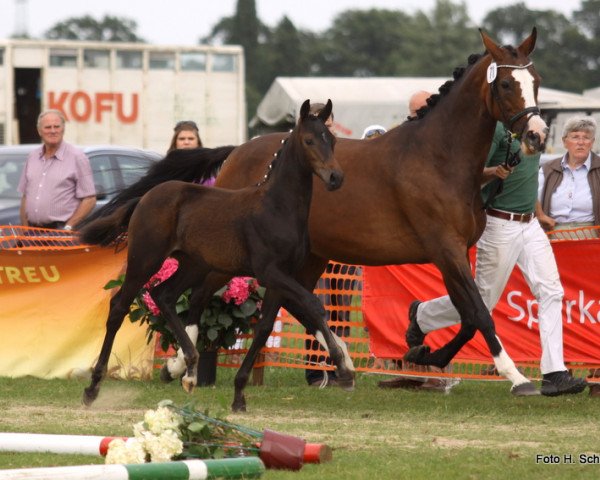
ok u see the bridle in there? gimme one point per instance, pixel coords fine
(512, 159)
(529, 111)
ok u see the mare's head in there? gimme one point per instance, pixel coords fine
(317, 142)
(512, 96)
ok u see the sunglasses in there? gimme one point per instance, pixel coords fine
(186, 123)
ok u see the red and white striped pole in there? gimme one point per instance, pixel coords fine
(50, 443)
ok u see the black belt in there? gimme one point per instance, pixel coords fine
(517, 217)
(48, 225)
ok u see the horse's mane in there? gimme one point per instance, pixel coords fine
(197, 164)
(446, 87)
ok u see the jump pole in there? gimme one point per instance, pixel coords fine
(230, 468)
(51, 443)
(96, 445)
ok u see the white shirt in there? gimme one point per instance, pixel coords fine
(572, 199)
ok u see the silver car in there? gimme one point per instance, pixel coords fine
(114, 168)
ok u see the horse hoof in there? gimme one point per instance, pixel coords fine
(238, 406)
(524, 390)
(89, 396)
(165, 375)
(346, 384)
(417, 354)
(188, 384)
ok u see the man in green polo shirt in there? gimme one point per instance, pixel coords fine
(512, 236)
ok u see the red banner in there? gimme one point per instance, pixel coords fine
(388, 291)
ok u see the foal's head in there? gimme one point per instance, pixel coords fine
(514, 85)
(317, 142)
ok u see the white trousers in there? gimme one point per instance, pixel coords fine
(503, 244)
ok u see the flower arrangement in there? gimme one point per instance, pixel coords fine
(156, 439)
(230, 311)
(172, 433)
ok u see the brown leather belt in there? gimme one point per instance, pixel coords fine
(517, 217)
(56, 225)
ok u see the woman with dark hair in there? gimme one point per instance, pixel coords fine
(186, 135)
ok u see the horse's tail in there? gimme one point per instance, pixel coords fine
(197, 164)
(105, 230)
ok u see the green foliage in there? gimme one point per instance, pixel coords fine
(204, 436)
(382, 42)
(109, 29)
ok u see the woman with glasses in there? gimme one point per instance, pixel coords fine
(186, 135)
(569, 186)
(569, 190)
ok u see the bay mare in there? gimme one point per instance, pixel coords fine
(410, 196)
(259, 231)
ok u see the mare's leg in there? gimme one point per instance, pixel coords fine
(166, 295)
(200, 297)
(135, 278)
(472, 301)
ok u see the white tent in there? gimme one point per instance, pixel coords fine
(359, 102)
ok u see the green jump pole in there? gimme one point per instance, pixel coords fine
(229, 468)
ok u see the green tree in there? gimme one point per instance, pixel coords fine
(587, 19)
(391, 42)
(441, 40)
(245, 29)
(287, 53)
(109, 29)
(363, 43)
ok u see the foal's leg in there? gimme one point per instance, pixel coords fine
(135, 278)
(201, 295)
(165, 295)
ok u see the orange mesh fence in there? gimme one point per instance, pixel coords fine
(340, 289)
(31, 238)
(581, 233)
(287, 346)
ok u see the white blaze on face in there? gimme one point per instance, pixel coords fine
(525, 80)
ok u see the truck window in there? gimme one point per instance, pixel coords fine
(1, 56)
(193, 61)
(63, 57)
(129, 59)
(162, 61)
(96, 58)
(223, 62)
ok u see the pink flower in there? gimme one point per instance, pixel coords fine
(150, 303)
(169, 267)
(238, 290)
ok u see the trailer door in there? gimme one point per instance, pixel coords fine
(28, 103)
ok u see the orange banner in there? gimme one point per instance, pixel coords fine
(388, 291)
(53, 312)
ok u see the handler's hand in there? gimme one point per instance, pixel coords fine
(547, 222)
(502, 171)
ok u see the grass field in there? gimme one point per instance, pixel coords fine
(478, 431)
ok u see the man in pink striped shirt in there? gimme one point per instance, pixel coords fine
(57, 182)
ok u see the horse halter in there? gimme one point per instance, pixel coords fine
(492, 75)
